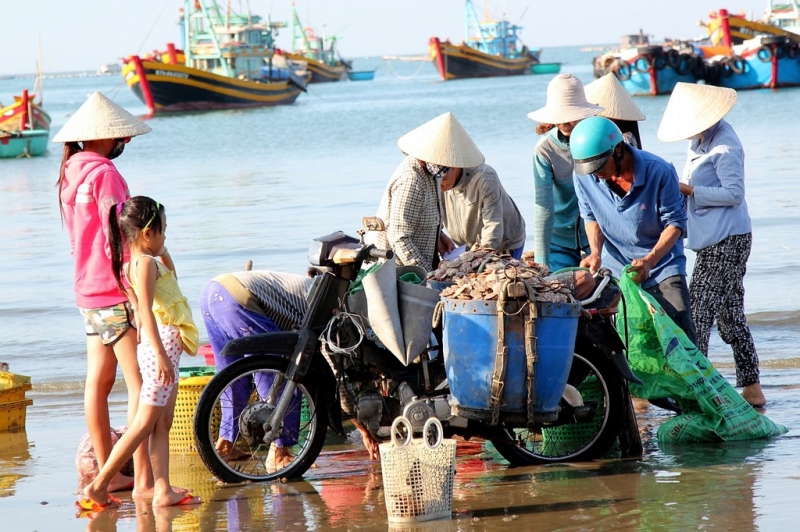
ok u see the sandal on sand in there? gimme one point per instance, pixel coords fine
(188, 500)
(88, 505)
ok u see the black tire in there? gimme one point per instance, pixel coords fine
(600, 385)
(792, 50)
(660, 62)
(765, 54)
(622, 70)
(311, 434)
(684, 65)
(673, 58)
(736, 64)
(780, 51)
(698, 67)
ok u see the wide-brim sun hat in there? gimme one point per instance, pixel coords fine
(566, 102)
(692, 109)
(617, 103)
(100, 118)
(442, 141)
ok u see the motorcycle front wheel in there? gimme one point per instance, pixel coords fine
(591, 437)
(256, 461)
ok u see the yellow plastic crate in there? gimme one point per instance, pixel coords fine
(13, 387)
(181, 435)
(12, 415)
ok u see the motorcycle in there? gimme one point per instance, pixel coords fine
(303, 382)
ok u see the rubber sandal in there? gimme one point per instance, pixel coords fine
(88, 505)
(187, 500)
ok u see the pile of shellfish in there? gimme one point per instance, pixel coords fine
(483, 274)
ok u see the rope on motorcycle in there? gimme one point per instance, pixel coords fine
(338, 322)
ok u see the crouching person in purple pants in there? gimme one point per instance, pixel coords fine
(242, 304)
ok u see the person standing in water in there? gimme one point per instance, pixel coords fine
(88, 184)
(719, 226)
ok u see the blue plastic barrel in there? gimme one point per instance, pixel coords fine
(470, 346)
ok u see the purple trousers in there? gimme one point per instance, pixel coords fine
(225, 320)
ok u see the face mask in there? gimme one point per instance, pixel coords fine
(117, 150)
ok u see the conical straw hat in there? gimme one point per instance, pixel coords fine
(566, 102)
(617, 104)
(442, 141)
(692, 109)
(100, 118)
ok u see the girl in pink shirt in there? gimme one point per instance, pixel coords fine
(88, 184)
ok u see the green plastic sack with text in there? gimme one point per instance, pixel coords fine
(670, 365)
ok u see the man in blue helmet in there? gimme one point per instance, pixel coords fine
(634, 214)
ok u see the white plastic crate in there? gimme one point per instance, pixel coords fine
(418, 473)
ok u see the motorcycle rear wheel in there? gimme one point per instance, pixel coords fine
(601, 386)
(250, 462)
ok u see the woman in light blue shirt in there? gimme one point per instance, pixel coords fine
(718, 227)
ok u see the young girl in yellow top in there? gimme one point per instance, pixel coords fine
(166, 330)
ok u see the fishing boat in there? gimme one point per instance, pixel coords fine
(24, 127)
(315, 52)
(227, 63)
(755, 54)
(490, 48)
(646, 69)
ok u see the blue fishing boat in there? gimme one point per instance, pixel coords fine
(756, 54)
(650, 70)
(490, 48)
(221, 67)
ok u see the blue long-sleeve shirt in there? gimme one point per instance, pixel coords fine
(632, 224)
(715, 168)
(556, 217)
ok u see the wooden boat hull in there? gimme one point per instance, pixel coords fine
(28, 143)
(461, 61)
(11, 116)
(320, 72)
(175, 87)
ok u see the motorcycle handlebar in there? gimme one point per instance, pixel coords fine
(375, 253)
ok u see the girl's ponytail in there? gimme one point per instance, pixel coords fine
(115, 239)
(70, 149)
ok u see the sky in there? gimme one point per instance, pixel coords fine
(81, 35)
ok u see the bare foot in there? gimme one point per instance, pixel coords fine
(278, 458)
(754, 395)
(97, 498)
(120, 483)
(173, 498)
(227, 451)
(148, 493)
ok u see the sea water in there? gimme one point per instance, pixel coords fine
(259, 184)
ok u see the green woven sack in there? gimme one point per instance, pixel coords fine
(670, 365)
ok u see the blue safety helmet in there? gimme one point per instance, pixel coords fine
(592, 142)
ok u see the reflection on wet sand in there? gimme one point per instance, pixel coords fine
(13, 455)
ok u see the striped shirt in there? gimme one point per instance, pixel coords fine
(280, 296)
(410, 209)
